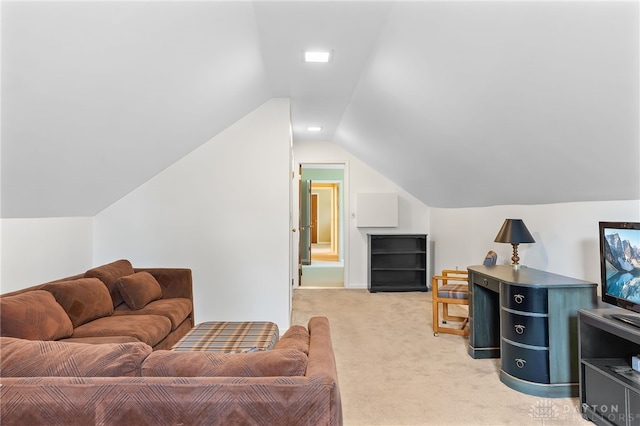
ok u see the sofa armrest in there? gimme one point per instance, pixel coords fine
(321, 367)
(175, 282)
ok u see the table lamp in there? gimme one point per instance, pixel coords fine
(514, 232)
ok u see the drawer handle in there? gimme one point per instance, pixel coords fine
(520, 363)
(519, 328)
(485, 281)
(519, 298)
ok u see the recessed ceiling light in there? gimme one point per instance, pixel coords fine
(314, 128)
(317, 56)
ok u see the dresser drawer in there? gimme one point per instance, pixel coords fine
(526, 299)
(527, 364)
(525, 329)
(487, 282)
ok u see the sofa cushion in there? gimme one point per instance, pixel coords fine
(109, 274)
(202, 364)
(296, 337)
(84, 299)
(139, 289)
(150, 329)
(176, 309)
(34, 315)
(26, 358)
(100, 339)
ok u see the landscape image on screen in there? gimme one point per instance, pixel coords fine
(622, 262)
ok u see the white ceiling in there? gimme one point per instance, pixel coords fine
(460, 103)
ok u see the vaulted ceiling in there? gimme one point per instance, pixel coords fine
(460, 103)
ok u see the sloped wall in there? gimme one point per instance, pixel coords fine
(223, 211)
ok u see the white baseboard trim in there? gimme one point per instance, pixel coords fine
(357, 286)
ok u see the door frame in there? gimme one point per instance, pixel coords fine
(346, 215)
(335, 225)
(314, 216)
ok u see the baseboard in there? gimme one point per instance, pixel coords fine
(356, 286)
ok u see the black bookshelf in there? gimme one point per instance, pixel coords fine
(397, 262)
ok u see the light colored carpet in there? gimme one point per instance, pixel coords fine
(392, 370)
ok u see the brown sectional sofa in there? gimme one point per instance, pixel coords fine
(90, 363)
(113, 303)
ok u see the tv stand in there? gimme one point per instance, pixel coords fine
(609, 387)
(634, 320)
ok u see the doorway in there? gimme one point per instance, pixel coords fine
(321, 225)
(325, 221)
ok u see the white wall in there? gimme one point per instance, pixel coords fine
(223, 211)
(413, 215)
(35, 251)
(566, 235)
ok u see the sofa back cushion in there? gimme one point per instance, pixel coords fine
(139, 289)
(296, 337)
(177, 309)
(26, 358)
(34, 315)
(83, 300)
(208, 364)
(109, 274)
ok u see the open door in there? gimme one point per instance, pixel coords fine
(305, 222)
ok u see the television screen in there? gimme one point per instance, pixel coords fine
(620, 263)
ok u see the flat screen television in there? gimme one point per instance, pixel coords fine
(620, 264)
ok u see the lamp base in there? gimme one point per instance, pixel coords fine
(515, 258)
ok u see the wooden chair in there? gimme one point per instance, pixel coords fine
(452, 288)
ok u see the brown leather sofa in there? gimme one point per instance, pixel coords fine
(99, 371)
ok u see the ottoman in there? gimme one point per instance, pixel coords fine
(229, 337)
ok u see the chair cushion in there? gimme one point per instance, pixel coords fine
(150, 329)
(34, 315)
(139, 289)
(26, 358)
(250, 364)
(84, 299)
(109, 274)
(454, 291)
